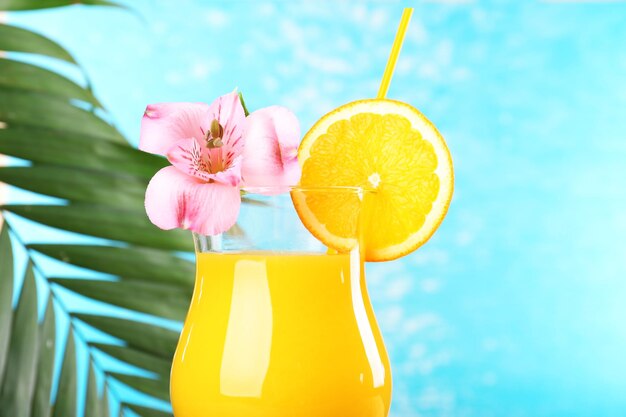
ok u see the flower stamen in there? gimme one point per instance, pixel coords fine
(213, 137)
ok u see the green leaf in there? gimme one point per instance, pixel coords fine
(160, 300)
(136, 358)
(65, 403)
(6, 294)
(17, 39)
(45, 367)
(21, 108)
(106, 222)
(78, 185)
(78, 150)
(44, 4)
(146, 337)
(145, 411)
(19, 378)
(129, 263)
(156, 387)
(92, 408)
(100, 3)
(21, 76)
(243, 104)
(104, 403)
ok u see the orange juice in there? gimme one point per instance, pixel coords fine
(273, 334)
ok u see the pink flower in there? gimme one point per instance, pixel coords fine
(270, 155)
(207, 147)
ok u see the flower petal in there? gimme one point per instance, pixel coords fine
(229, 176)
(164, 124)
(174, 199)
(190, 158)
(271, 137)
(227, 109)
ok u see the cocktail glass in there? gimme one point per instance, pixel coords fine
(279, 324)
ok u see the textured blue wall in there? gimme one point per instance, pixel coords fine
(516, 307)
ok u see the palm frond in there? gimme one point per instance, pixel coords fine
(77, 155)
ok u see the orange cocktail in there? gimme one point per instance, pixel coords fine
(280, 334)
(279, 326)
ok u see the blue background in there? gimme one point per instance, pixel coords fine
(516, 306)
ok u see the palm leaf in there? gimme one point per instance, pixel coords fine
(129, 263)
(27, 108)
(158, 387)
(25, 388)
(104, 404)
(146, 412)
(84, 186)
(19, 377)
(160, 300)
(78, 156)
(66, 401)
(138, 358)
(44, 4)
(145, 337)
(131, 226)
(6, 294)
(45, 146)
(47, 341)
(92, 408)
(15, 39)
(17, 75)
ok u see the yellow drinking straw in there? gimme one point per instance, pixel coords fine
(395, 51)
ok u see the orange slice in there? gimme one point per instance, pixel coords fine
(386, 146)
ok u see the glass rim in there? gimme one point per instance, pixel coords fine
(283, 189)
